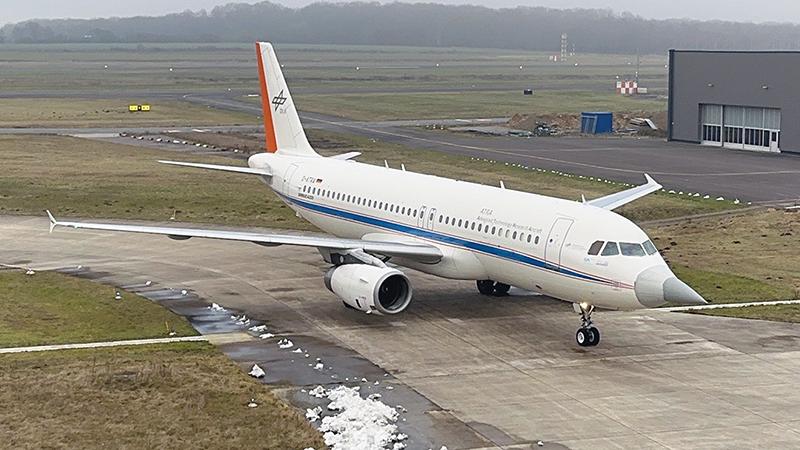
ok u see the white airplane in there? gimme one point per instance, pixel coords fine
(579, 252)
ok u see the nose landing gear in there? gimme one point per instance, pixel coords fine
(491, 287)
(587, 335)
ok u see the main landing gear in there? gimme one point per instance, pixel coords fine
(491, 287)
(587, 335)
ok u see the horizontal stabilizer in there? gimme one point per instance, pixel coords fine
(238, 169)
(348, 155)
(617, 199)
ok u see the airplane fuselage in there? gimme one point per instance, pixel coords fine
(534, 242)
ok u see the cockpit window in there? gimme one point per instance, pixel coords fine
(595, 248)
(649, 247)
(630, 249)
(610, 249)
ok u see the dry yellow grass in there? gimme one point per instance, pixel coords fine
(168, 396)
(758, 248)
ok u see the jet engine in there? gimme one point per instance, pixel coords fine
(378, 290)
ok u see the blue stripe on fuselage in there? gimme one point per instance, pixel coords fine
(443, 238)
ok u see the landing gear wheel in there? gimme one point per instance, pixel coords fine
(486, 287)
(594, 336)
(587, 335)
(582, 337)
(501, 289)
(491, 287)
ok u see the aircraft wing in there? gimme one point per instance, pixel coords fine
(417, 251)
(614, 201)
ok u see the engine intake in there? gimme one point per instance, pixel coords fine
(380, 290)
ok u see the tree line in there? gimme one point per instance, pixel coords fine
(429, 25)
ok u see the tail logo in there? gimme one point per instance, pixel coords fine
(279, 100)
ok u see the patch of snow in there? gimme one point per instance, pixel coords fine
(216, 308)
(266, 335)
(258, 328)
(318, 392)
(297, 350)
(319, 366)
(285, 343)
(362, 423)
(252, 403)
(312, 414)
(256, 372)
(30, 272)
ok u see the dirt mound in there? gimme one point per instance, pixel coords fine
(571, 123)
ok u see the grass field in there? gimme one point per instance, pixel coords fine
(50, 308)
(127, 182)
(170, 395)
(66, 112)
(466, 105)
(185, 395)
(749, 257)
(309, 68)
(776, 313)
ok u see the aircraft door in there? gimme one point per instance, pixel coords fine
(287, 178)
(421, 217)
(431, 217)
(555, 241)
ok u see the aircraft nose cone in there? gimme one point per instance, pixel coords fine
(676, 291)
(658, 285)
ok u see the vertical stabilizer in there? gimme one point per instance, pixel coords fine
(282, 127)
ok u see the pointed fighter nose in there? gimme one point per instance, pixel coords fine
(658, 285)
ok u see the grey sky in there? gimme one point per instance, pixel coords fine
(737, 10)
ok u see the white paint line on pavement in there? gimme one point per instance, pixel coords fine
(42, 348)
(728, 305)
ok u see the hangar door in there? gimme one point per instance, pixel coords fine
(740, 127)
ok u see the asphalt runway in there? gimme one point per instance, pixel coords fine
(472, 371)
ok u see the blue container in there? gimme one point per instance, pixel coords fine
(597, 122)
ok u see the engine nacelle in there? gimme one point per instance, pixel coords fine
(380, 290)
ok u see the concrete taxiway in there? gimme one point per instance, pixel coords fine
(472, 371)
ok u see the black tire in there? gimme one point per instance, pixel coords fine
(501, 289)
(485, 287)
(582, 337)
(594, 336)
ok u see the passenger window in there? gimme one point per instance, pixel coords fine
(649, 247)
(594, 250)
(459, 222)
(514, 236)
(529, 239)
(480, 227)
(493, 230)
(611, 249)
(507, 232)
(536, 241)
(630, 249)
(473, 226)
